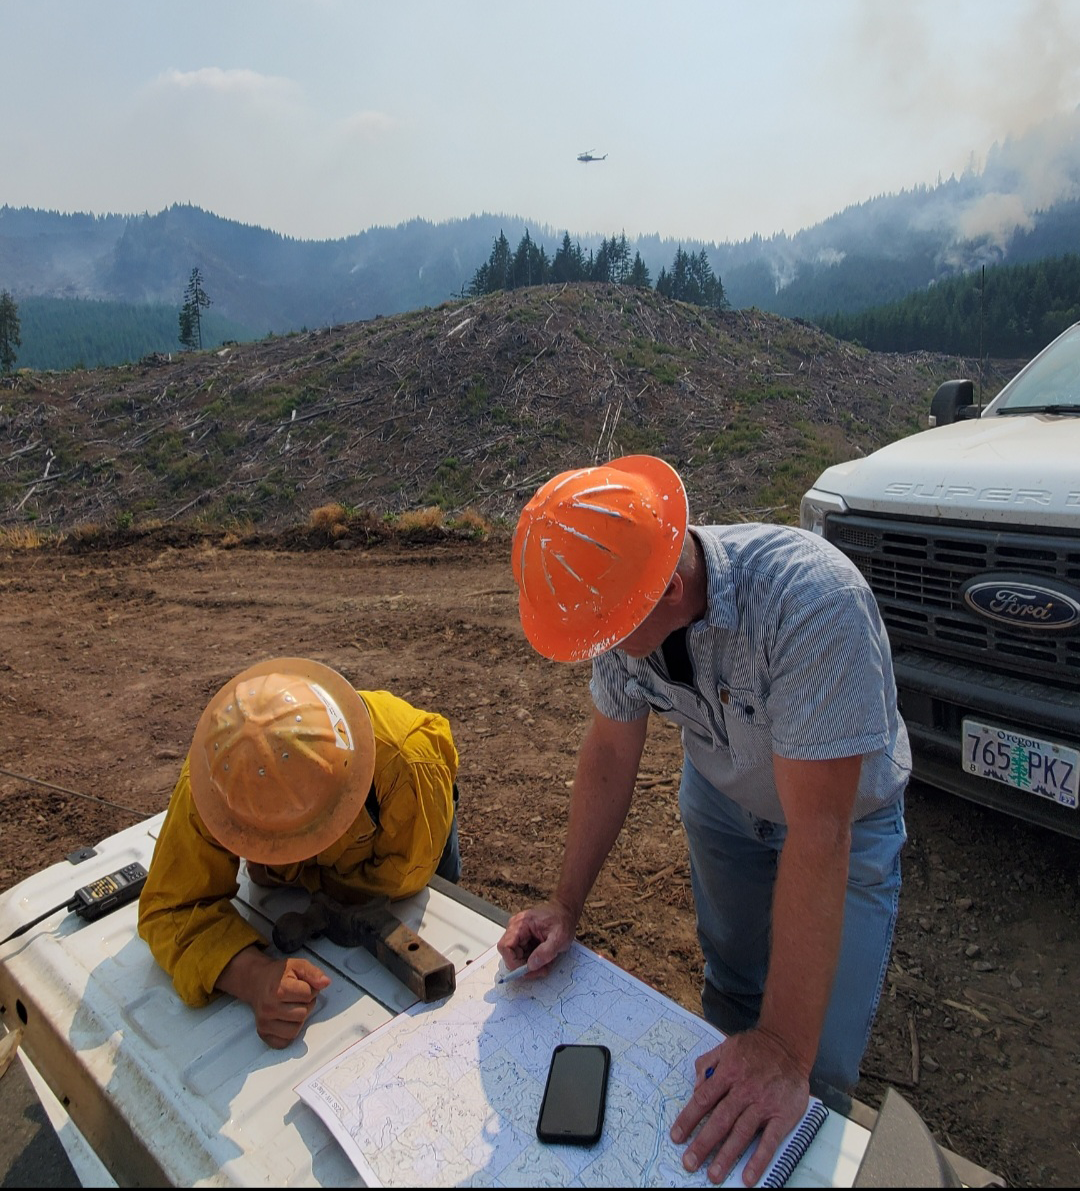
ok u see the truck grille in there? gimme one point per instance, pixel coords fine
(916, 572)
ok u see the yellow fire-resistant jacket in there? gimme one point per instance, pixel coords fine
(186, 913)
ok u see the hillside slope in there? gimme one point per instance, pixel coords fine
(469, 405)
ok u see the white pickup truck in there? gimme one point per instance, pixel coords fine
(969, 535)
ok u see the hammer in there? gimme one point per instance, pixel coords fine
(427, 972)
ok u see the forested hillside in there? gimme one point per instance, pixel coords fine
(1007, 311)
(86, 333)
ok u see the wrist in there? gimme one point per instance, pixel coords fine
(794, 1053)
(239, 975)
(570, 905)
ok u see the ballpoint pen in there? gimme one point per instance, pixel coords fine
(504, 973)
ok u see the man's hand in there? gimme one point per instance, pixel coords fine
(537, 936)
(281, 992)
(755, 1087)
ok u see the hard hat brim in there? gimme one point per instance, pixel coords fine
(265, 847)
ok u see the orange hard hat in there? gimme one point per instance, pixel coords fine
(282, 760)
(594, 550)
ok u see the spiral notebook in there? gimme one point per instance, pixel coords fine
(788, 1153)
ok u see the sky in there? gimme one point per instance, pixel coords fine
(718, 119)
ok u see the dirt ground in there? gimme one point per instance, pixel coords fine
(107, 658)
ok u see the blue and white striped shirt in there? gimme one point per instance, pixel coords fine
(791, 657)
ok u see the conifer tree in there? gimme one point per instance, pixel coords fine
(638, 276)
(496, 273)
(530, 265)
(619, 258)
(196, 301)
(9, 331)
(692, 280)
(601, 264)
(569, 263)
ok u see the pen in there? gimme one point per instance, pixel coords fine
(504, 973)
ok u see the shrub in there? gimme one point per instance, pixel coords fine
(330, 519)
(473, 523)
(419, 519)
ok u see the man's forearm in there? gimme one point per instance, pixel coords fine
(807, 922)
(239, 976)
(603, 788)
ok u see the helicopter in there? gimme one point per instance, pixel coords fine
(588, 156)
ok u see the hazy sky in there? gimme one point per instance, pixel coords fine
(320, 119)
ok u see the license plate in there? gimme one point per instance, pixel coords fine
(1037, 766)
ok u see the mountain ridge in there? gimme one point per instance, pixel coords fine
(1021, 205)
(866, 255)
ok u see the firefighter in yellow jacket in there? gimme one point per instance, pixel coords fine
(311, 783)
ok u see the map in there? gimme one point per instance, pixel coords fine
(448, 1094)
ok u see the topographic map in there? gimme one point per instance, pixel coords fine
(448, 1094)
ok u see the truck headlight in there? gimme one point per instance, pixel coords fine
(816, 506)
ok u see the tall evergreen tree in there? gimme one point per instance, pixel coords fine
(497, 272)
(619, 258)
(569, 263)
(676, 284)
(638, 276)
(601, 264)
(196, 301)
(9, 331)
(692, 280)
(682, 288)
(530, 265)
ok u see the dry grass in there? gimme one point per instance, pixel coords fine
(88, 532)
(21, 537)
(331, 519)
(474, 523)
(238, 533)
(419, 519)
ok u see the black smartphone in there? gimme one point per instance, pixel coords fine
(572, 1111)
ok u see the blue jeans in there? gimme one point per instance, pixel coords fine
(733, 859)
(450, 861)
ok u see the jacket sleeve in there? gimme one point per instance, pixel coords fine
(186, 912)
(415, 814)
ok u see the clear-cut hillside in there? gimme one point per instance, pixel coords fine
(469, 405)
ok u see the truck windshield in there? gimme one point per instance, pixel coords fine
(1050, 383)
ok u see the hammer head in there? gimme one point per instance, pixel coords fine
(371, 924)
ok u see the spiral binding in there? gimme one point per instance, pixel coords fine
(783, 1166)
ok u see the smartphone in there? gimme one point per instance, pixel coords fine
(572, 1111)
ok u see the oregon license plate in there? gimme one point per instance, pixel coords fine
(1037, 766)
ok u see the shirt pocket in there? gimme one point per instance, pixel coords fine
(684, 708)
(748, 727)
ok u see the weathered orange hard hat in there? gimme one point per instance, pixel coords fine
(282, 760)
(594, 550)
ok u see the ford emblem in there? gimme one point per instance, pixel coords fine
(1023, 603)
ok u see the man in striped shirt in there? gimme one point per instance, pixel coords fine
(765, 645)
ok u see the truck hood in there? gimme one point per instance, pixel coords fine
(1015, 470)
